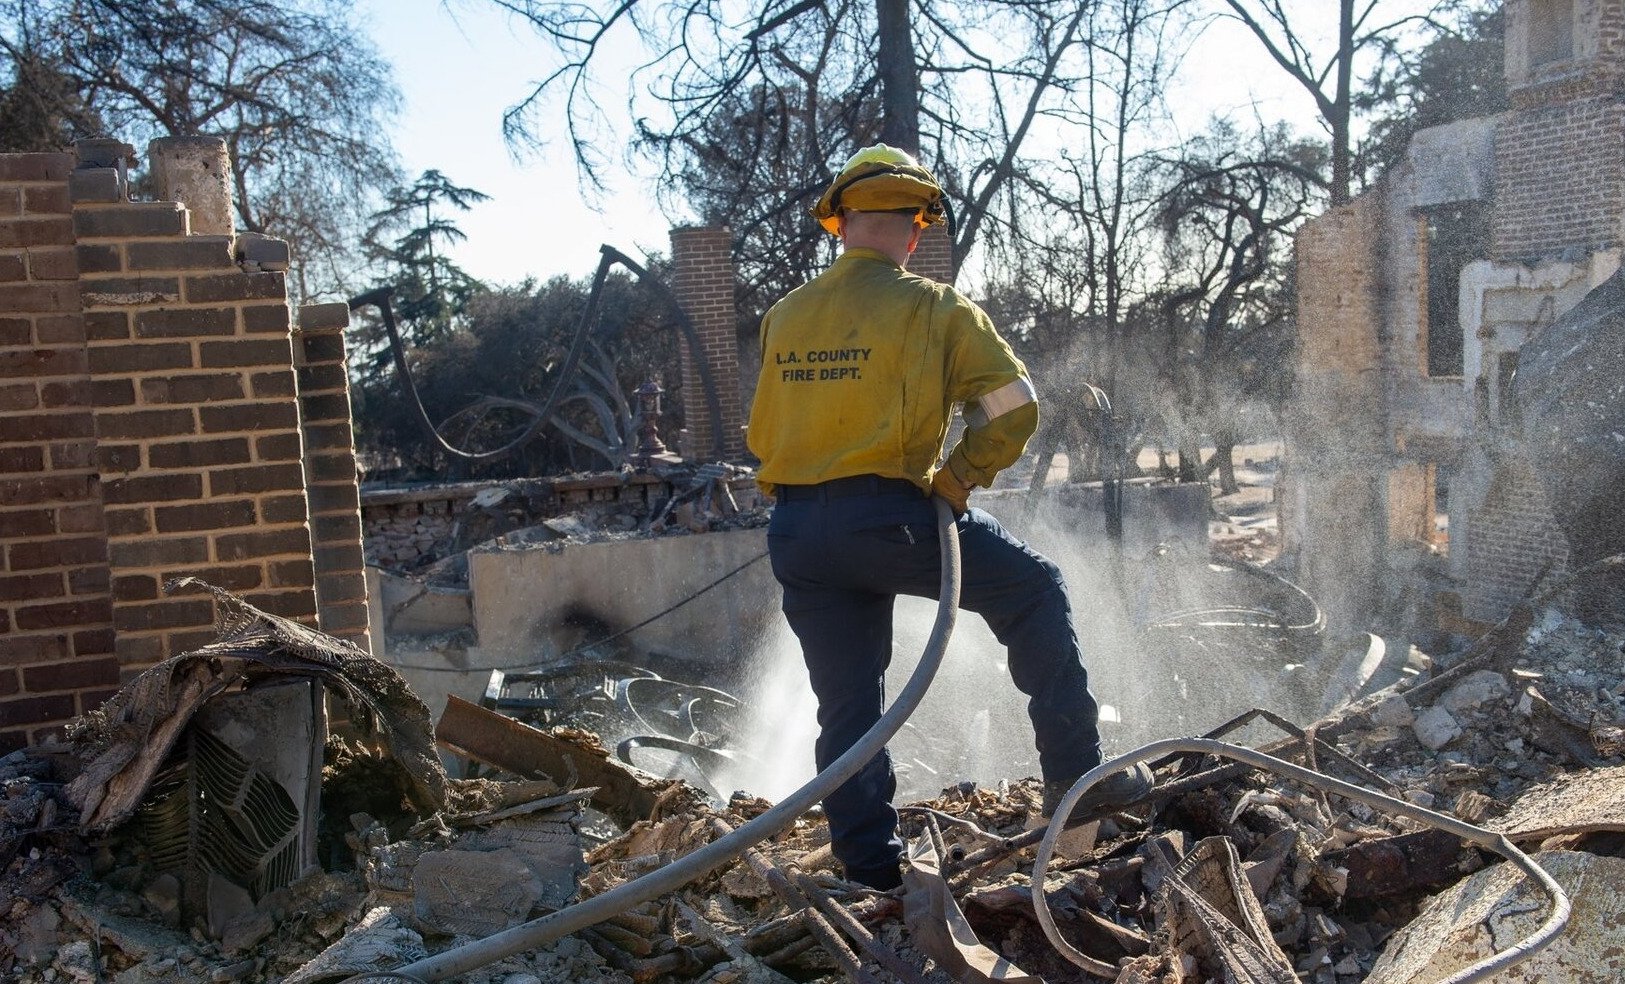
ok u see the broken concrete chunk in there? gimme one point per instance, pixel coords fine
(1474, 690)
(1500, 906)
(1392, 712)
(474, 893)
(1436, 728)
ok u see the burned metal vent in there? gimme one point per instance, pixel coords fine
(222, 809)
(212, 809)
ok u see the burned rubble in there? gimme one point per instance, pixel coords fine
(1224, 873)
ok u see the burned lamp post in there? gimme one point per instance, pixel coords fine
(650, 447)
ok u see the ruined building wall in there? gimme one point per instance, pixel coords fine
(703, 281)
(152, 430)
(1560, 172)
(1332, 516)
(56, 610)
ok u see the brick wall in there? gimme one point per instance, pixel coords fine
(934, 257)
(56, 610)
(1511, 538)
(1560, 170)
(332, 487)
(703, 280)
(150, 427)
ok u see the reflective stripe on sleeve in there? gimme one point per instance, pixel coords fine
(1001, 401)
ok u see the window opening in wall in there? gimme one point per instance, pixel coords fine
(1551, 31)
(1438, 505)
(1452, 236)
(1506, 397)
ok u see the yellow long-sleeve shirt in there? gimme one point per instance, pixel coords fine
(861, 368)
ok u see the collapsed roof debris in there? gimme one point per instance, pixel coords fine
(1223, 873)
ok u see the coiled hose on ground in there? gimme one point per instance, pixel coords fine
(590, 912)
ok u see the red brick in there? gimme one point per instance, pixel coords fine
(10, 686)
(262, 318)
(344, 498)
(345, 586)
(129, 522)
(297, 604)
(47, 427)
(336, 528)
(60, 329)
(53, 263)
(326, 406)
(292, 573)
(238, 578)
(254, 479)
(89, 580)
(49, 199)
(331, 558)
(21, 459)
(16, 332)
(73, 455)
(31, 522)
(69, 394)
(191, 389)
(12, 268)
(112, 393)
(269, 543)
(22, 650)
(73, 675)
(80, 519)
(185, 322)
(163, 615)
(107, 326)
(283, 509)
(246, 352)
(140, 554)
(324, 349)
(99, 259)
(269, 384)
(36, 232)
(152, 488)
(19, 587)
(93, 642)
(199, 454)
(113, 359)
(21, 396)
(134, 649)
(63, 615)
(205, 516)
(36, 710)
(11, 202)
(323, 378)
(61, 552)
(263, 416)
(42, 166)
(185, 642)
(329, 437)
(112, 458)
(279, 447)
(42, 362)
(135, 587)
(235, 287)
(129, 221)
(46, 488)
(144, 423)
(191, 253)
(330, 467)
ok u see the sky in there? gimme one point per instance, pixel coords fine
(459, 66)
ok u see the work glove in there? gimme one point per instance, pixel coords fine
(953, 491)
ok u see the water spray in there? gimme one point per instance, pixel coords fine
(590, 912)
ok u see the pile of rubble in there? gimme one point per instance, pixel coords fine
(1224, 872)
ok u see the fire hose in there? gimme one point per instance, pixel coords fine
(590, 912)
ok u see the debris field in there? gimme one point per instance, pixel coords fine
(1224, 873)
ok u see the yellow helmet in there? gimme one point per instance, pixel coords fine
(881, 179)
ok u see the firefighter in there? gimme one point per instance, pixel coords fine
(861, 369)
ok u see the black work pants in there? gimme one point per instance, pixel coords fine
(843, 551)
